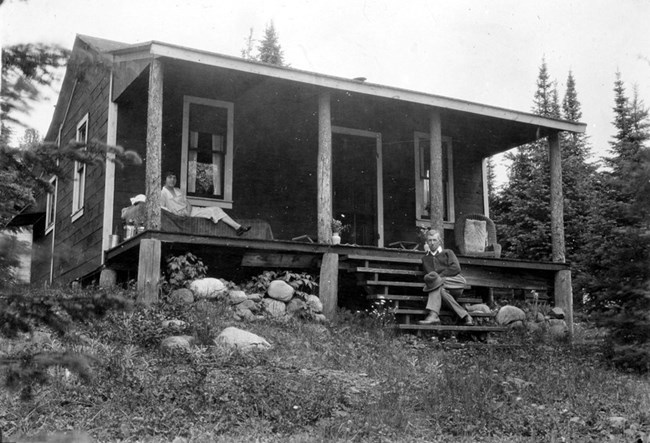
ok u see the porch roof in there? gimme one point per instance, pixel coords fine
(152, 49)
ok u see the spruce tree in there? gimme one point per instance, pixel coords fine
(522, 209)
(24, 174)
(269, 48)
(617, 289)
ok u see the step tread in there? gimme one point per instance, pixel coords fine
(418, 298)
(384, 259)
(403, 284)
(475, 328)
(424, 311)
(387, 271)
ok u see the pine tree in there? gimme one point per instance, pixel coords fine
(269, 48)
(24, 173)
(617, 261)
(522, 209)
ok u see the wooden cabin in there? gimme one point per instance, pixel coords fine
(286, 148)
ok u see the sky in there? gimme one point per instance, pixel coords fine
(478, 50)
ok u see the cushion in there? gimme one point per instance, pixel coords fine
(475, 235)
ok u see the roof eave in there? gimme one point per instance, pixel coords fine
(159, 49)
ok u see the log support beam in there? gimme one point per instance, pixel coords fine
(436, 202)
(563, 290)
(324, 168)
(154, 144)
(329, 284)
(149, 270)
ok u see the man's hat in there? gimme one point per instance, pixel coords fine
(140, 198)
(432, 282)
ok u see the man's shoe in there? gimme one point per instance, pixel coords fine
(432, 319)
(242, 229)
(468, 320)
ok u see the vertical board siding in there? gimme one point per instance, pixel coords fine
(77, 245)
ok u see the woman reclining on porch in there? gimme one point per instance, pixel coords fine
(173, 200)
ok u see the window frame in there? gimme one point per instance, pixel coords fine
(79, 173)
(225, 202)
(421, 214)
(50, 206)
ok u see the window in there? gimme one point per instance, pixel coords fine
(422, 162)
(206, 174)
(79, 174)
(50, 211)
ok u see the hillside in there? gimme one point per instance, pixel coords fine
(355, 380)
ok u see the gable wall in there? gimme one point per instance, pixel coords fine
(77, 247)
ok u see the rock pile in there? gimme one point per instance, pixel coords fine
(553, 323)
(279, 302)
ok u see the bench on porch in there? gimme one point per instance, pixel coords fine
(260, 229)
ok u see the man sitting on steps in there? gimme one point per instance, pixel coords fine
(442, 277)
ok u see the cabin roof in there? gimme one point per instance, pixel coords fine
(160, 49)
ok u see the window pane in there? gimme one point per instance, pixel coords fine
(208, 128)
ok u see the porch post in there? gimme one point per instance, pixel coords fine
(149, 270)
(329, 283)
(436, 201)
(324, 169)
(154, 144)
(563, 290)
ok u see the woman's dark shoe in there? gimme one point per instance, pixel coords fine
(242, 229)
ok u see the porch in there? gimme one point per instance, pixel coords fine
(349, 274)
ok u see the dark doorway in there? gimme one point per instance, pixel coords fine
(354, 178)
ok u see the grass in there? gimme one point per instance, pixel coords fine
(356, 380)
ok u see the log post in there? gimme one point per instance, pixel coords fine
(329, 284)
(154, 144)
(149, 270)
(324, 169)
(563, 290)
(436, 202)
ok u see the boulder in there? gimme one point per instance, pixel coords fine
(249, 304)
(237, 297)
(314, 303)
(178, 342)
(617, 422)
(244, 314)
(207, 287)
(518, 325)
(479, 307)
(535, 327)
(557, 328)
(274, 307)
(320, 318)
(556, 313)
(556, 322)
(280, 290)
(296, 305)
(174, 324)
(240, 339)
(40, 337)
(181, 296)
(510, 314)
(255, 297)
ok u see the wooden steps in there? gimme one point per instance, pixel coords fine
(398, 282)
(475, 328)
